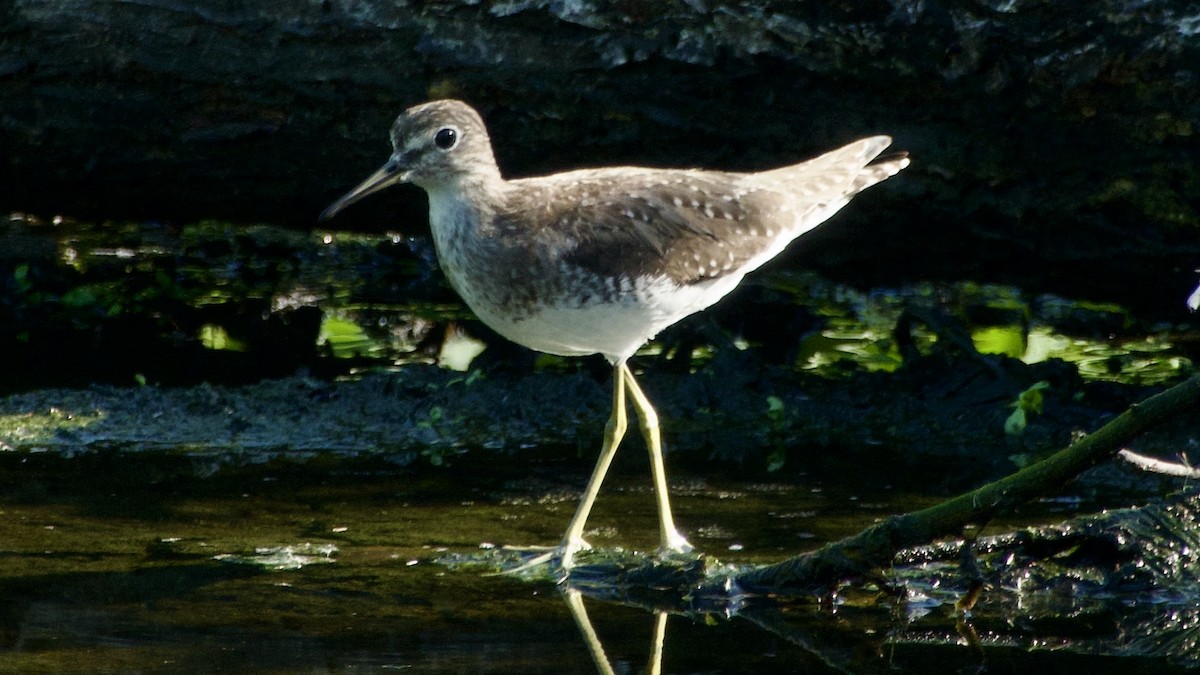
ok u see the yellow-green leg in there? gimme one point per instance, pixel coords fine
(614, 431)
(670, 540)
(572, 541)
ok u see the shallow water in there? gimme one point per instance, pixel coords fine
(131, 563)
(151, 563)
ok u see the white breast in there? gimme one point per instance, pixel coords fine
(561, 323)
(615, 330)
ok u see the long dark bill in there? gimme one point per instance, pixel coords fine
(389, 174)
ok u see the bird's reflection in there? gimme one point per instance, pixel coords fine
(579, 613)
(824, 637)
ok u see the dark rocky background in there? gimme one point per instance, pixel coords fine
(190, 144)
(1055, 144)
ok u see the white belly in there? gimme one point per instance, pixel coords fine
(540, 307)
(615, 330)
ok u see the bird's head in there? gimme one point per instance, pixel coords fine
(434, 144)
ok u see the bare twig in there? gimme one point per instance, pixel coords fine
(1155, 465)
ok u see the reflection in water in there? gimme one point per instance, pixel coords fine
(579, 613)
(824, 642)
(108, 559)
(849, 634)
(660, 636)
(1118, 584)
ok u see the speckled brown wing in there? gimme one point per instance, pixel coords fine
(687, 226)
(691, 226)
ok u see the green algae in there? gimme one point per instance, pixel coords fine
(343, 302)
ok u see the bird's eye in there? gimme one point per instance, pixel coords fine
(446, 138)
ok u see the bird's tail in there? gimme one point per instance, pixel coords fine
(844, 171)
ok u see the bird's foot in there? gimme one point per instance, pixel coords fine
(561, 557)
(674, 543)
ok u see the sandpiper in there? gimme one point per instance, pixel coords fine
(598, 261)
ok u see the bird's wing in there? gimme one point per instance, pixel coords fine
(688, 226)
(692, 226)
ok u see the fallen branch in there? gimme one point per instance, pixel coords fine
(874, 547)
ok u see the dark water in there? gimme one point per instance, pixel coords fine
(194, 558)
(118, 563)
(155, 563)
